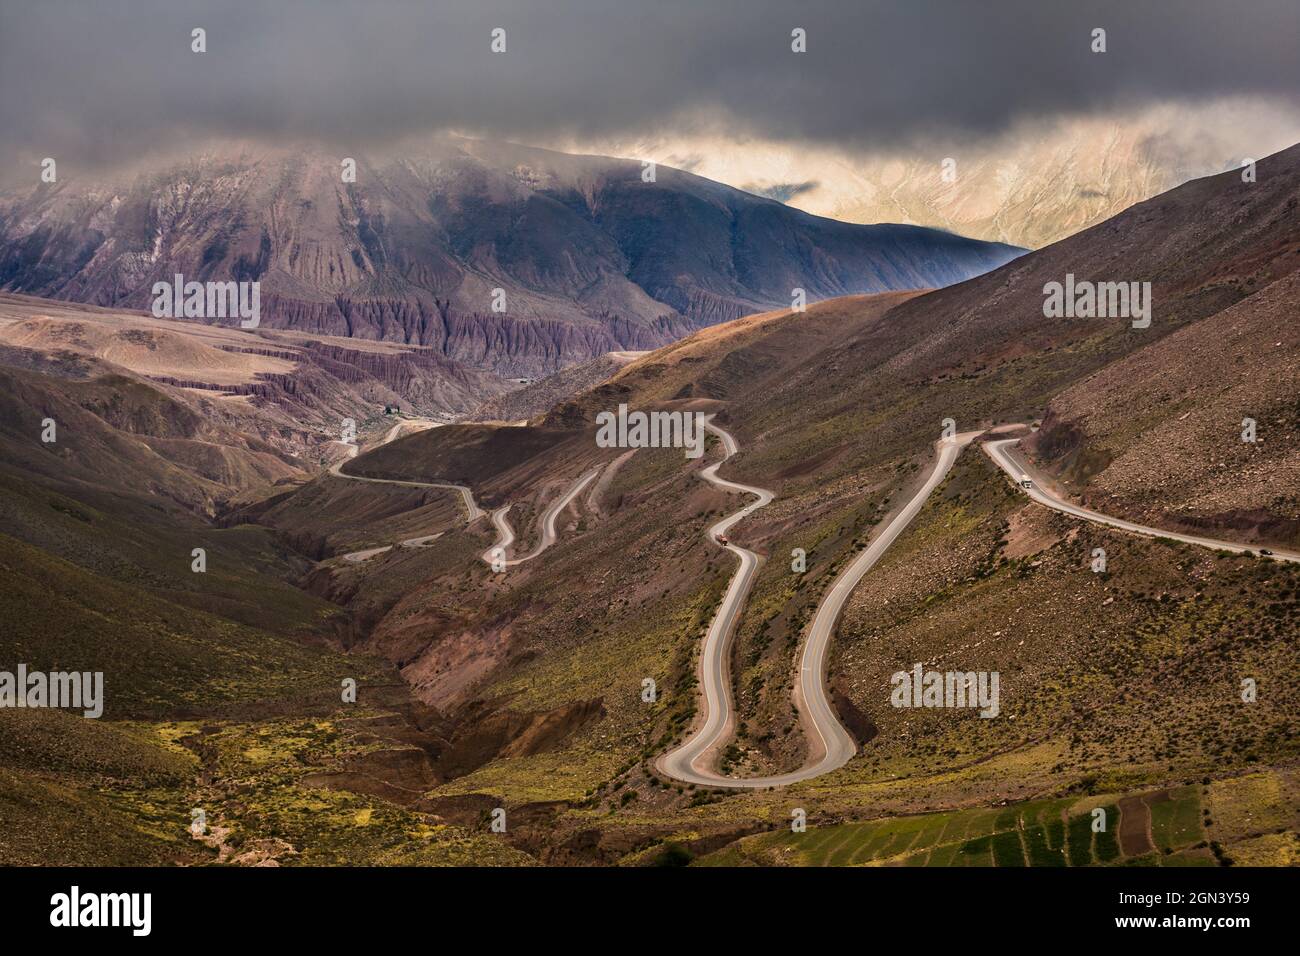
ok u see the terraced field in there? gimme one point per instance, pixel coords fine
(1157, 828)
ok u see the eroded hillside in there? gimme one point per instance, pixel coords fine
(523, 686)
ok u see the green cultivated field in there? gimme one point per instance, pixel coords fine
(1055, 832)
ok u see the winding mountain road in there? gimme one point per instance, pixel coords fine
(830, 745)
(356, 557)
(1015, 465)
(506, 534)
(472, 511)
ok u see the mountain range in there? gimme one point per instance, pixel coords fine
(523, 687)
(589, 257)
(1034, 184)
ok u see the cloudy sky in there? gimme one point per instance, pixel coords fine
(104, 81)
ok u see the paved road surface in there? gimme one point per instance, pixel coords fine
(472, 510)
(356, 557)
(506, 534)
(829, 743)
(1014, 464)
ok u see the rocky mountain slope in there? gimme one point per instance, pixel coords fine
(314, 380)
(836, 410)
(541, 396)
(1159, 435)
(529, 681)
(590, 258)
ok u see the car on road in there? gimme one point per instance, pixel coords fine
(722, 539)
(1266, 552)
(1025, 482)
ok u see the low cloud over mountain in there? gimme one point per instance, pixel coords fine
(588, 256)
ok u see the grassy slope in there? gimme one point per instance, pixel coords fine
(837, 409)
(840, 428)
(598, 633)
(1249, 820)
(97, 576)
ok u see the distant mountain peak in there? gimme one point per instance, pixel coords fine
(508, 257)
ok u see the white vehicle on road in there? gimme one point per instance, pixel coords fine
(1025, 481)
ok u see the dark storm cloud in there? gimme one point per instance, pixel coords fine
(114, 80)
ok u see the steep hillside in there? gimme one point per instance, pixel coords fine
(222, 681)
(528, 681)
(541, 396)
(112, 430)
(984, 347)
(1158, 436)
(591, 258)
(836, 410)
